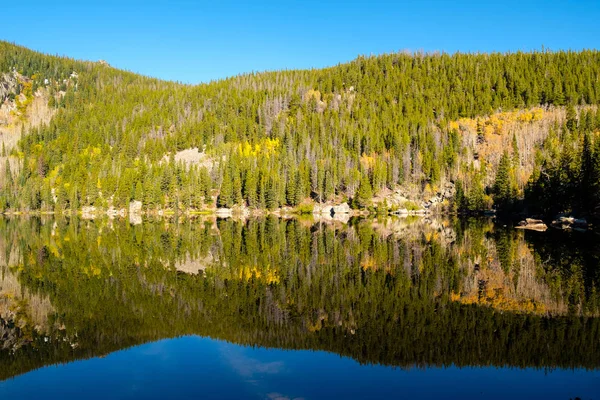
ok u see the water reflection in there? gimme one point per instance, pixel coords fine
(400, 292)
(197, 368)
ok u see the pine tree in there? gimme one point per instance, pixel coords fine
(205, 186)
(225, 198)
(237, 189)
(8, 176)
(52, 101)
(328, 186)
(364, 194)
(565, 181)
(271, 200)
(291, 191)
(262, 191)
(571, 118)
(319, 183)
(459, 196)
(516, 159)
(595, 179)
(586, 174)
(139, 193)
(503, 185)
(250, 188)
(476, 194)
(300, 189)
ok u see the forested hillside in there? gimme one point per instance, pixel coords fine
(515, 128)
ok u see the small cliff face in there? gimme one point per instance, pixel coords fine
(22, 103)
(8, 92)
(22, 108)
(8, 85)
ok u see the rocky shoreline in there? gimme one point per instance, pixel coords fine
(394, 203)
(406, 201)
(135, 212)
(561, 222)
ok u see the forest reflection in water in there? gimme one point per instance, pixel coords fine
(399, 292)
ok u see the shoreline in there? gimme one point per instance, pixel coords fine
(224, 213)
(320, 212)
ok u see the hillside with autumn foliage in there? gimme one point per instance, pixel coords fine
(454, 132)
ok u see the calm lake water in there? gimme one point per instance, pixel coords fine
(276, 309)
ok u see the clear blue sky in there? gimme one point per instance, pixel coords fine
(198, 41)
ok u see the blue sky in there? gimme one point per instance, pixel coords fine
(197, 41)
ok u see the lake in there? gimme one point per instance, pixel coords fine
(297, 309)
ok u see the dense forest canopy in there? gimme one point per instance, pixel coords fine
(272, 139)
(392, 292)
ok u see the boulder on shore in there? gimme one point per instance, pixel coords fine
(224, 212)
(88, 212)
(532, 224)
(568, 223)
(343, 208)
(322, 209)
(135, 219)
(135, 207)
(113, 212)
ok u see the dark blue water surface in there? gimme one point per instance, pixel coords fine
(195, 368)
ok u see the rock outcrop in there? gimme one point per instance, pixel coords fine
(570, 223)
(332, 209)
(343, 208)
(224, 212)
(135, 207)
(8, 85)
(323, 209)
(135, 212)
(532, 224)
(88, 212)
(113, 212)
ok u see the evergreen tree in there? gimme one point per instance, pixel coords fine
(459, 196)
(476, 195)
(299, 189)
(516, 157)
(586, 172)
(571, 118)
(291, 195)
(8, 176)
(364, 194)
(595, 179)
(139, 192)
(262, 191)
(271, 197)
(225, 198)
(237, 189)
(503, 183)
(250, 188)
(205, 186)
(328, 186)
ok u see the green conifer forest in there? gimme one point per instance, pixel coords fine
(506, 130)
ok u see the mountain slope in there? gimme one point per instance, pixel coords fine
(279, 138)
